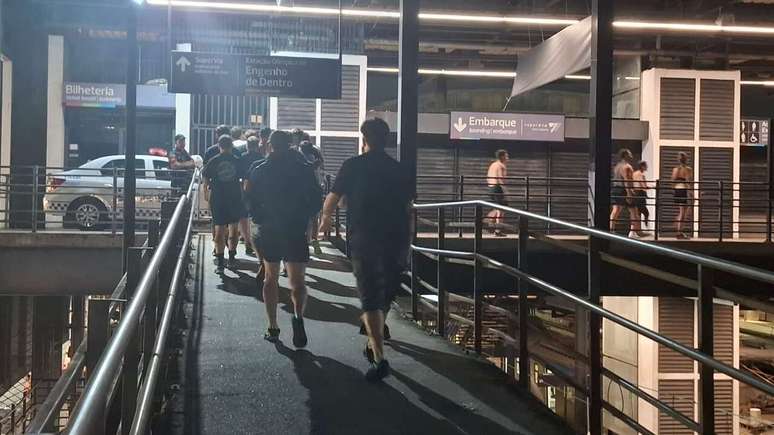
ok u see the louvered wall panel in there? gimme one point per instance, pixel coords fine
(436, 177)
(667, 209)
(296, 113)
(343, 114)
(209, 111)
(724, 334)
(676, 321)
(678, 108)
(679, 394)
(569, 199)
(715, 165)
(724, 407)
(716, 110)
(336, 150)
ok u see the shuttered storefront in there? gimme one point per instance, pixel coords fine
(715, 166)
(667, 209)
(678, 97)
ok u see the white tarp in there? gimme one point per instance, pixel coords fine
(566, 52)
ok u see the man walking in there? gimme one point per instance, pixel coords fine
(377, 190)
(222, 175)
(495, 179)
(284, 195)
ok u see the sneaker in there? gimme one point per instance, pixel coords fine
(272, 335)
(249, 251)
(378, 371)
(221, 266)
(232, 262)
(316, 247)
(299, 333)
(368, 353)
(284, 272)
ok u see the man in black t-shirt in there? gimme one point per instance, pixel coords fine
(214, 150)
(183, 165)
(223, 175)
(283, 195)
(377, 190)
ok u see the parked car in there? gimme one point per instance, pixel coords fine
(85, 196)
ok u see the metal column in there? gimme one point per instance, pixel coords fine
(408, 86)
(600, 120)
(130, 182)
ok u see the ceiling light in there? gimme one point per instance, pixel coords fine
(383, 69)
(757, 82)
(577, 77)
(692, 27)
(467, 73)
(496, 19)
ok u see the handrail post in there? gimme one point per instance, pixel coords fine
(523, 305)
(720, 209)
(657, 210)
(414, 271)
(114, 212)
(131, 358)
(461, 198)
(442, 294)
(595, 278)
(34, 223)
(706, 346)
(478, 306)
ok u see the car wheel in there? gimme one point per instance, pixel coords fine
(88, 214)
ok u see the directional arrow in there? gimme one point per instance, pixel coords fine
(183, 63)
(459, 125)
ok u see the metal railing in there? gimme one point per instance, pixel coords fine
(741, 209)
(123, 360)
(521, 325)
(37, 198)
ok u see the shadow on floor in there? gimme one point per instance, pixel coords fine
(342, 402)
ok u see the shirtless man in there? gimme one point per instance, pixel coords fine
(495, 179)
(641, 192)
(622, 192)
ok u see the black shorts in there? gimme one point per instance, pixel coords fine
(681, 196)
(497, 195)
(377, 273)
(640, 199)
(227, 213)
(276, 246)
(618, 196)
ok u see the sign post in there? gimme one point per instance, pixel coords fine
(240, 74)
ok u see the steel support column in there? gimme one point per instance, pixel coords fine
(408, 86)
(600, 121)
(130, 182)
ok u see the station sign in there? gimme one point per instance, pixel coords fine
(506, 126)
(754, 132)
(102, 95)
(245, 74)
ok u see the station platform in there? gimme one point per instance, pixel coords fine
(233, 381)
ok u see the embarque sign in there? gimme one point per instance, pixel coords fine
(506, 126)
(241, 74)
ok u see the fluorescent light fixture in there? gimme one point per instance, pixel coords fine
(448, 72)
(496, 19)
(577, 77)
(390, 70)
(462, 18)
(692, 27)
(757, 82)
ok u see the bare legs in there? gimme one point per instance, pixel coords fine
(682, 214)
(614, 216)
(374, 323)
(219, 235)
(296, 272)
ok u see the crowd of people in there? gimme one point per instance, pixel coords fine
(275, 179)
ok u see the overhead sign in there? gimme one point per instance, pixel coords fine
(106, 95)
(240, 74)
(506, 126)
(754, 132)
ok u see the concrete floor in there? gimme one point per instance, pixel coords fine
(236, 382)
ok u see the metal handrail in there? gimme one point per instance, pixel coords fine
(678, 254)
(90, 409)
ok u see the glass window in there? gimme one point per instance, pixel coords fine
(161, 168)
(139, 165)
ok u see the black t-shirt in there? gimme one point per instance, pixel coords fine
(248, 160)
(214, 150)
(378, 192)
(283, 193)
(224, 173)
(180, 177)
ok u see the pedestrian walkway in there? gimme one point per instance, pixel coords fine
(236, 382)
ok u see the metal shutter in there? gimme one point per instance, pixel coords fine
(675, 320)
(337, 149)
(296, 113)
(209, 111)
(436, 179)
(724, 407)
(724, 334)
(678, 108)
(569, 200)
(343, 114)
(716, 110)
(753, 193)
(667, 209)
(679, 395)
(715, 165)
